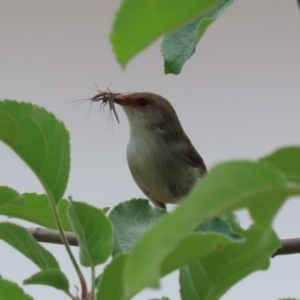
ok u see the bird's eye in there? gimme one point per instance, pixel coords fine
(142, 102)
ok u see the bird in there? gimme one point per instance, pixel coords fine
(162, 160)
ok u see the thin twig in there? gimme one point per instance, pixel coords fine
(52, 236)
(289, 246)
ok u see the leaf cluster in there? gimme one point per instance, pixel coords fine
(201, 237)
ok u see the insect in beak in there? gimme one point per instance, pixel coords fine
(107, 97)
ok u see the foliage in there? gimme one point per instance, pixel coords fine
(201, 237)
(139, 23)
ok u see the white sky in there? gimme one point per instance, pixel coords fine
(238, 97)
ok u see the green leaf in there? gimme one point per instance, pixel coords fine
(215, 234)
(94, 233)
(40, 140)
(111, 280)
(11, 291)
(223, 225)
(37, 210)
(10, 196)
(50, 277)
(20, 239)
(227, 187)
(193, 247)
(211, 276)
(139, 23)
(180, 44)
(130, 221)
(286, 160)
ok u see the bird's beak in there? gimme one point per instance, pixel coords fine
(121, 100)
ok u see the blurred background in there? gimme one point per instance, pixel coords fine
(237, 97)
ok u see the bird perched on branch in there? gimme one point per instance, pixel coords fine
(162, 160)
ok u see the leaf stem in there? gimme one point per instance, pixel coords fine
(93, 282)
(84, 291)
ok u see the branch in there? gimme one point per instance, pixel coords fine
(289, 246)
(52, 236)
(298, 1)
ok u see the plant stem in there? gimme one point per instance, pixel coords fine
(93, 283)
(84, 292)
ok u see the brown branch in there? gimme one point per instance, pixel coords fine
(52, 236)
(289, 246)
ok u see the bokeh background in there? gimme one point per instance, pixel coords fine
(237, 97)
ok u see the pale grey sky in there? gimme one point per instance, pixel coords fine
(237, 97)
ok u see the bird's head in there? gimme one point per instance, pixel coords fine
(150, 111)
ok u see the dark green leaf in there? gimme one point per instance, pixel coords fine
(221, 225)
(94, 233)
(10, 196)
(286, 160)
(37, 210)
(111, 280)
(19, 238)
(139, 23)
(130, 221)
(227, 187)
(179, 45)
(211, 276)
(11, 291)
(50, 277)
(40, 140)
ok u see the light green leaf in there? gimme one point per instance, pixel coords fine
(11, 291)
(193, 247)
(10, 196)
(139, 23)
(20, 239)
(94, 233)
(180, 44)
(110, 284)
(211, 276)
(37, 210)
(227, 187)
(286, 160)
(40, 140)
(130, 221)
(50, 277)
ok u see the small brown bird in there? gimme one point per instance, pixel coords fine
(162, 160)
